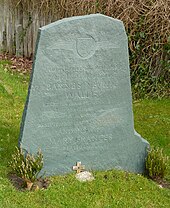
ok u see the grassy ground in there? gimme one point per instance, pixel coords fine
(109, 189)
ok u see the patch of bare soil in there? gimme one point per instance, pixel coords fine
(162, 183)
(23, 185)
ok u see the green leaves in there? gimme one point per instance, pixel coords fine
(156, 163)
(26, 166)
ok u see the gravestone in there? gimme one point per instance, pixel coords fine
(79, 104)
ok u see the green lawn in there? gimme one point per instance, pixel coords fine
(109, 189)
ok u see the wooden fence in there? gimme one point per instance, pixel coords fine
(147, 23)
(19, 26)
(18, 29)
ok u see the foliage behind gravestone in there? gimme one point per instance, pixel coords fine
(148, 28)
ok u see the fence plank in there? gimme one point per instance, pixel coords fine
(19, 47)
(1, 25)
(18, 35)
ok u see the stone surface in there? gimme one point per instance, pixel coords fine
(79, 105)
(84, 176)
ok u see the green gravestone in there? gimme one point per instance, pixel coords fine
(79, 104)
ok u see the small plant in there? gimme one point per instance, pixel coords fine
(26, 166)
(156, 163)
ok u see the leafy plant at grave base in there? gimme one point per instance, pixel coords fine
(26, 166)
(156, 163)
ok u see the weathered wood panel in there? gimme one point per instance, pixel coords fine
(18, 29)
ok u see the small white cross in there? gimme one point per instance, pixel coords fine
(78, 167)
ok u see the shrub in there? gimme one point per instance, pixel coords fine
(26, 166)
(156, 163)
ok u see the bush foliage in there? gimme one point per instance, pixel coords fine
(156, 163)
(26, 166)
(148, 28)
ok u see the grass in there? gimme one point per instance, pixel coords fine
(152, 120)
(110, 188)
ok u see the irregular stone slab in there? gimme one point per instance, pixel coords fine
(84, 176)
(79, 104)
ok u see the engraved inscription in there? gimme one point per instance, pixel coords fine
(79, 102)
